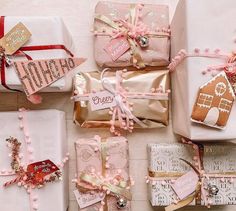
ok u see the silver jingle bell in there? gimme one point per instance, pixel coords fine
(8, 61)
(121, 203)
(213, 190)
(143, 41)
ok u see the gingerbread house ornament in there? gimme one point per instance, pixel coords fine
(214, 102)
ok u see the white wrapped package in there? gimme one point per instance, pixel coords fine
(200, 25)
(46, 130)
(45, 31)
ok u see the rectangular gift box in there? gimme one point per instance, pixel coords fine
(154, 17)
(45, 31)
(90, 154)
(196, 24)
(153, 113)
(165, 166)
(47, 132)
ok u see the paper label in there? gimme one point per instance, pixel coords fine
(186, 184)
(41, 169)
(37, 74)
(117, 47)
(15, 38)
(87, 199)
(101, 100)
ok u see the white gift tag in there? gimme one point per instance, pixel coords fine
(101, 100)
(186, 184)
(87, 199)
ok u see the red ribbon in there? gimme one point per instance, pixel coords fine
(22, 50)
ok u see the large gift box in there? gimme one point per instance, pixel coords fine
(106, 161)
(42, 135)
(144, 94)
(207, 51)
(214, 184)
(45, 31)
(131, 34)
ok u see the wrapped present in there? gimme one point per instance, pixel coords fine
(33, 158)
(28, 41)
(103, 174)
(206, 52)
(131, 34)
(190, 174)
(134, 98)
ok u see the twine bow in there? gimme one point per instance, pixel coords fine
(132, 28)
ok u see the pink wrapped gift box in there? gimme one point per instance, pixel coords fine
(90, 156)
(154, 17)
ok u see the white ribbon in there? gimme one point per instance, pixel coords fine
(107, 85)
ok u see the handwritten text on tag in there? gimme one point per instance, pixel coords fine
(15, 38)
(185, 185)
(117, 47)
(101, 100)
(87, 199)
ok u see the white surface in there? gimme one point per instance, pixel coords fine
(200, 24)
(47, 132)
(77, 15)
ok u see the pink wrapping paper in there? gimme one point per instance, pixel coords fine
(88, 158)
(154, 16)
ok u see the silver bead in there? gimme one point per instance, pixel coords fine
(213, 190)
(8, 61)
(121, 203)
(143, 41)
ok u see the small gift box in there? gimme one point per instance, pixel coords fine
(134, 98)
(103, 174)
(190, 174)
(201, 91)
(32, 158)
(52, 41)
(131, 34)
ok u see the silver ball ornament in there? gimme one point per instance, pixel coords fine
(143, 41)
(213, 190)
(121, 203)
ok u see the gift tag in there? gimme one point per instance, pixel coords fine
(15, 38)
(87, 199)
(117, 47)
(186, 184)
(38, 74)
(101, 100)
(41, 169)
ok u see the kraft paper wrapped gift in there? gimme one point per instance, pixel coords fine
(94, 154)
(165, 167)
(154, 18)
(46, 131)
(196, 24)
(151, 112)
(45, 31)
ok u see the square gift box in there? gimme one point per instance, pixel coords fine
(149, 107)
(45, 31)
(42, 135)
(166, 167)
(119, 28)
(106, 157)
(200, 27)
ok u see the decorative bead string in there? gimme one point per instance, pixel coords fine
(207, 54)
(33, 198)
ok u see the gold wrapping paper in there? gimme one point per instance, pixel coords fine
(153, 113)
